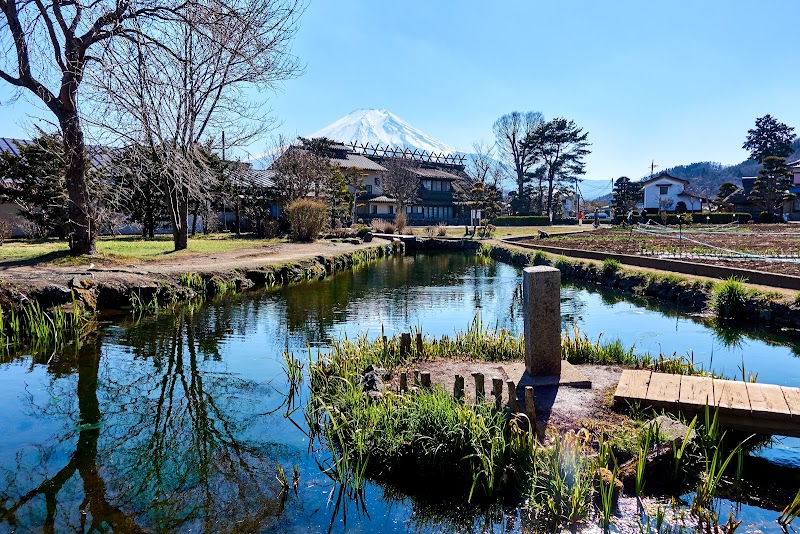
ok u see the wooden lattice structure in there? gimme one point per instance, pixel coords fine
(370, 150)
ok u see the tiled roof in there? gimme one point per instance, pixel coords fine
(433, 173)
(383, 199)
(245, 176)
(663, 176)
(357, 161)
(98, 155)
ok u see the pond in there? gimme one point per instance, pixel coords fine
(180, 421)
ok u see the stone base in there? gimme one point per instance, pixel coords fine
(570, 376)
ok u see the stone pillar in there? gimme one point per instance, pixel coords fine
(541, 294)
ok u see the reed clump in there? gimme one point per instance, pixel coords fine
(729, 299)
(38, 329)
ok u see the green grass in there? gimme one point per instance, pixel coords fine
(125, 248)
(729, 299)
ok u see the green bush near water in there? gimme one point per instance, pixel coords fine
(729, 299)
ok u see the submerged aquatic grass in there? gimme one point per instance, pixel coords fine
(41, 330)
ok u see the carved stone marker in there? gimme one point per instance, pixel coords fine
(541, 294)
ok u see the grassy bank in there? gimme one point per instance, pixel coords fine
(427, 441)
(125, 248)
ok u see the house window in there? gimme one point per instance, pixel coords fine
(391, 210)
(373, 209)
(368, 189)
(377, 181)
(445, 186)
(663, 189)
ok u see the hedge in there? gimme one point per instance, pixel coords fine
(529, 220)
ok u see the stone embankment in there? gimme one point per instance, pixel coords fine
(108, 289)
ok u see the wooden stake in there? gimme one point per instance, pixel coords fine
(512, 396)
(497, 391)
(403, 382)
(458, 388)
(405, 344)
(480, 394)
(419, 344)
(425, 379)
(530, 407)
(416, 377)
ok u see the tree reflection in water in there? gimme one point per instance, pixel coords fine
(160, 441)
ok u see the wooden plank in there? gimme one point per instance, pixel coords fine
(767, 401)
(731, 395)
(792, 397)
(696, 392)
(639, 384)
(624, 386)
(664, 388)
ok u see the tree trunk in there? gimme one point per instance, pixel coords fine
(179, 213)
(82, 232)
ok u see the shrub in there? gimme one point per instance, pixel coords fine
(382, 226)
(729, 298)
(441, 229)
(765, 217)
(610, 266)
(540, 258)
(529, 220)
(429, 231)
(400, 221)
(306, 219)
(720, 217)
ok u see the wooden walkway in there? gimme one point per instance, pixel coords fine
(758, 408)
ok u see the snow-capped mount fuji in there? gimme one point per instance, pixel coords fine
(381, 127)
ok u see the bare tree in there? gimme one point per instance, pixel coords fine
(180, 89)
(510, 131)
(482, 184)
(47, 48)
(400, 182)
(298, 172)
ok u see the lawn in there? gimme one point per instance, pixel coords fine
(123, 248)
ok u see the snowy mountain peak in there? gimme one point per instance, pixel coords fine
(379, 126)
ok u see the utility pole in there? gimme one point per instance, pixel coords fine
(653, 167)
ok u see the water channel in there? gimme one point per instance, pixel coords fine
(178, 422)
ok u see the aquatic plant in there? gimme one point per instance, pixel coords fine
(729, 299)
(610, 266)
(577, 348)
(192, 281)
(607, 499)
(562, 480)
(790, 512)
(40, 330)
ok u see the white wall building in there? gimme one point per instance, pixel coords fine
(668, 193)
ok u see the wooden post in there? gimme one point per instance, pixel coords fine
(425, 379)
(458, 388)
(512, 396)
(405, 344)
(530, 407)
(497, 391)
(416, 377)
(403, 382)
(419, 344)
(480, 394)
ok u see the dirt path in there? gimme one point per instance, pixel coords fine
(257, 256)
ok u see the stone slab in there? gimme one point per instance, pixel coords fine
(570, 376)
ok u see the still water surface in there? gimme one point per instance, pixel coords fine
(178, 422)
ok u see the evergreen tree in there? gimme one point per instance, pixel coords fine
(725, 190)
(769, 138)
(626, 193)
(773, 180)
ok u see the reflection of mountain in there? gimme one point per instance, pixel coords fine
(158, 441)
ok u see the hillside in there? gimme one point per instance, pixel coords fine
(706, 176)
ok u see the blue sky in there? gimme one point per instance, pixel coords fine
(675, 81)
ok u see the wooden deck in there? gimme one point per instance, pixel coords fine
(758, 408)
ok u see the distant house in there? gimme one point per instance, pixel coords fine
(668, 193)
(439, 182)
(739, 201)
